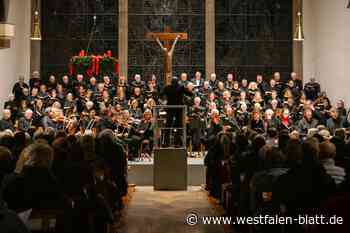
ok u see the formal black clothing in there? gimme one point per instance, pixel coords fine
(263, 87)
(175, 96)
(303, 188)
(18, 90)
(34, 82)
(34, 188)
(312, 90)
(257, 126)
(2, 12)
(10, 222)
(6, 124)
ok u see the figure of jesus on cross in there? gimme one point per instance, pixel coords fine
(168, 50)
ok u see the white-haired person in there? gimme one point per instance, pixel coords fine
(213, 82)
(270, 120)
(25, 123)
(138, 82)
(6, 122)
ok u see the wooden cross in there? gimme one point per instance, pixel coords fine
(168, 48)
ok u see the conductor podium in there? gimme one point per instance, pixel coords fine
(170, 156)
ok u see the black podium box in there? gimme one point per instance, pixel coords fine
(170, 169)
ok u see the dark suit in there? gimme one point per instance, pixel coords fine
(6, 124)
(34, 188)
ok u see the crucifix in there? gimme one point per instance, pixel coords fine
(168, 49)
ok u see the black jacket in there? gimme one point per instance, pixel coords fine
(33, 188)
(303, 188)
(11, 223)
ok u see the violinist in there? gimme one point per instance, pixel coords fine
(137, 95)
(120, 98)
(39, 112)
(33, 96)
(145, 133)
(135, 109)
(229, 119)
(242, 100)
(54, 119)
(151, 90)
(25, 124)
(258, 99)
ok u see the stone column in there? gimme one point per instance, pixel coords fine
(209, 37)
(297, 45)
(35, 46)
(123, 38)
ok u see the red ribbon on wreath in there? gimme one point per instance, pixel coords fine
(93, 64)
(82, 53)
(91, 69)
(97, 62)
(116, 68)
(71, 69)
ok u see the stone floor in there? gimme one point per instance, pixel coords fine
(165, 212)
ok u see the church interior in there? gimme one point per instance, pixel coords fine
(164, 116)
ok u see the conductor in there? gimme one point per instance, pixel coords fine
(174, 94)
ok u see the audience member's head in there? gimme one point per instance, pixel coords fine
(340, 134)
(283, 139)
(258, 142)
(327, 150)
(310, 150)
(6, 162)
(294, 152)
(7, 140)
(35, 155)
(87, 143)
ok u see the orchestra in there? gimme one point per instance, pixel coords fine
(80, 105)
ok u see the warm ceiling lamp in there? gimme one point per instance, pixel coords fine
(36, 33)
(299, 34)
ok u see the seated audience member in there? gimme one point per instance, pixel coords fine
(6, 121)
(335, 121)
(113, 154)
(339, 140)
(307, 122)
(33, 185)
(10, 222)
(25, 124)
(305, 186)
(6, 162)
(327, 155)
